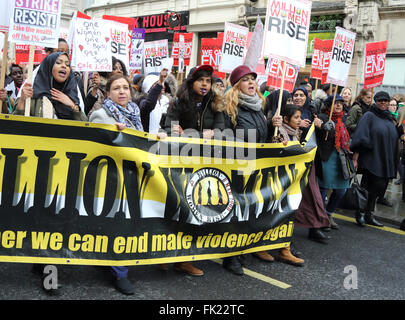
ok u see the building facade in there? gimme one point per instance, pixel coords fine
(371, 20)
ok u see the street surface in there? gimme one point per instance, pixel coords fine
(358, 264)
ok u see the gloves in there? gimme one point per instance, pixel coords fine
(329, 126)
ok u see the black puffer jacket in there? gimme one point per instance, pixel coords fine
(191, 117)
(251, 121)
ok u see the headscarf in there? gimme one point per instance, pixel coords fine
(342, 138)
(272, 101)
(130, 116)
(44, 82)
(306, 112)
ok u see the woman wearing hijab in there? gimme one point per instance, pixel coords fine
(375, 147)
(311, 212)
(56, 82)
(333, 138)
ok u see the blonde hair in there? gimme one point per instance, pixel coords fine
(232, 100)
(351, 93)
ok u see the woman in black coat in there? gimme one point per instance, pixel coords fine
(375, 147)
(196, 106)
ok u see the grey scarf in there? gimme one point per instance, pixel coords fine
(254, 103)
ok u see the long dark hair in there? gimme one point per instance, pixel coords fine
(185, 93)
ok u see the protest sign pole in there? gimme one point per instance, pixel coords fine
(4, 65)
(86, 82)
(331, 109)
(401, 117)
(280, 97)
(29, 79)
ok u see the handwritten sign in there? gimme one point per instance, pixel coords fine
(286, 30)
(91, 46)
(374, 66)
(35, 22)
(155, 54)
(342, 55)
(234, 47)
(136, 56)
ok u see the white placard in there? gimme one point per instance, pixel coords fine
(286, 30)
(234, 47)
(341, 57)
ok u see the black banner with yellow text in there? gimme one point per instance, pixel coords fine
(83, 193)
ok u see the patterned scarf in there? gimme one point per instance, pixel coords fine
(131, 115)
(286, 131)
(342, 138)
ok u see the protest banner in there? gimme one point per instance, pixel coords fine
(188, 41)
(87, 194)
(35, 22)
(234, 47)
(155, 55)
(22, 54)
(211, 53)
(327, 46)
(341, 57)
(317, 60)
(374, 66)
(274, 70)
(286, 30)
(120, 40)
(136, 56)
(91, 46)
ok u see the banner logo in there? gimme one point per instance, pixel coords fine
(209, 195)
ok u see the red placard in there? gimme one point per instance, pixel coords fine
(211, 53)
(317, 59)
(327, 46)
(275, 71)
(22, 53)
(188, 39)
(374, 66)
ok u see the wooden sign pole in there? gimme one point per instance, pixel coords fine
(331, 109)
(29, 79)
(4, 66)
(280, 97)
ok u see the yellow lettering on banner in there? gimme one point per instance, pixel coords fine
(162, 242)
(231, 241)
(40, 240)
(131, 244)
(8, 239)
(88, 243)
(56, 241)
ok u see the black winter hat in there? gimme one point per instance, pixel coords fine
(381, 95)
